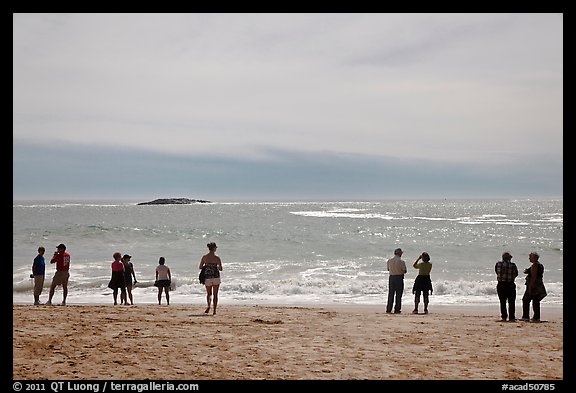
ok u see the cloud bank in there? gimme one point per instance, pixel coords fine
(293, 93)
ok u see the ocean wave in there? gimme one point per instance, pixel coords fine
(293, 250)
(304, 287)
(495, 219)
(337, 214)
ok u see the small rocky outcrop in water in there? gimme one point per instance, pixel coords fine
(173, 201)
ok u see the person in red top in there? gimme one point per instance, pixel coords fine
(62, 260)
(117, 279)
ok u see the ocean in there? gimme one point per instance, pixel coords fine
(291, 253)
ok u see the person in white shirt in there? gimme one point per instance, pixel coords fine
(163, 280)
(397, 268)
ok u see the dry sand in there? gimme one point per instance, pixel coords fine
(180, 342)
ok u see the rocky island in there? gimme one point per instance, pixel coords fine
(173, 201)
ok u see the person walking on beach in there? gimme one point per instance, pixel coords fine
(397, 268)
(535, 289)
(163, 280)
(128, 275)
(506, 273)
(62, 260)
(38, 273)
(117, 279)
(422, 283)
(213, 266)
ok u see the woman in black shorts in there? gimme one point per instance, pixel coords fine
(163, 280)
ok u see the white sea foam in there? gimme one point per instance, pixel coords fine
(292, 252)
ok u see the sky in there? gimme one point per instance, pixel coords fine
(279, 106)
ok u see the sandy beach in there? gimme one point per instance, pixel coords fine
(251, 342)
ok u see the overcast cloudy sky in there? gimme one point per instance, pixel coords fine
(287, 106)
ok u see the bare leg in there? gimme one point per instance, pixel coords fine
(51, 294)
(159, 295)
(208, 298)
(167, 292)
(130, 296)
(416, 302)
(64, 293)
(115, 295)
(215, 290)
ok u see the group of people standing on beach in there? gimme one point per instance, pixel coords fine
(62, 260)
(122, 274)
(124, 277)
(422, 284)
(506, 273)
(123, 271)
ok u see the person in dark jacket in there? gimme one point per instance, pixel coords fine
(535, 289)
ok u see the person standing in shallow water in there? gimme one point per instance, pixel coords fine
(213, 266)
(422, 283)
